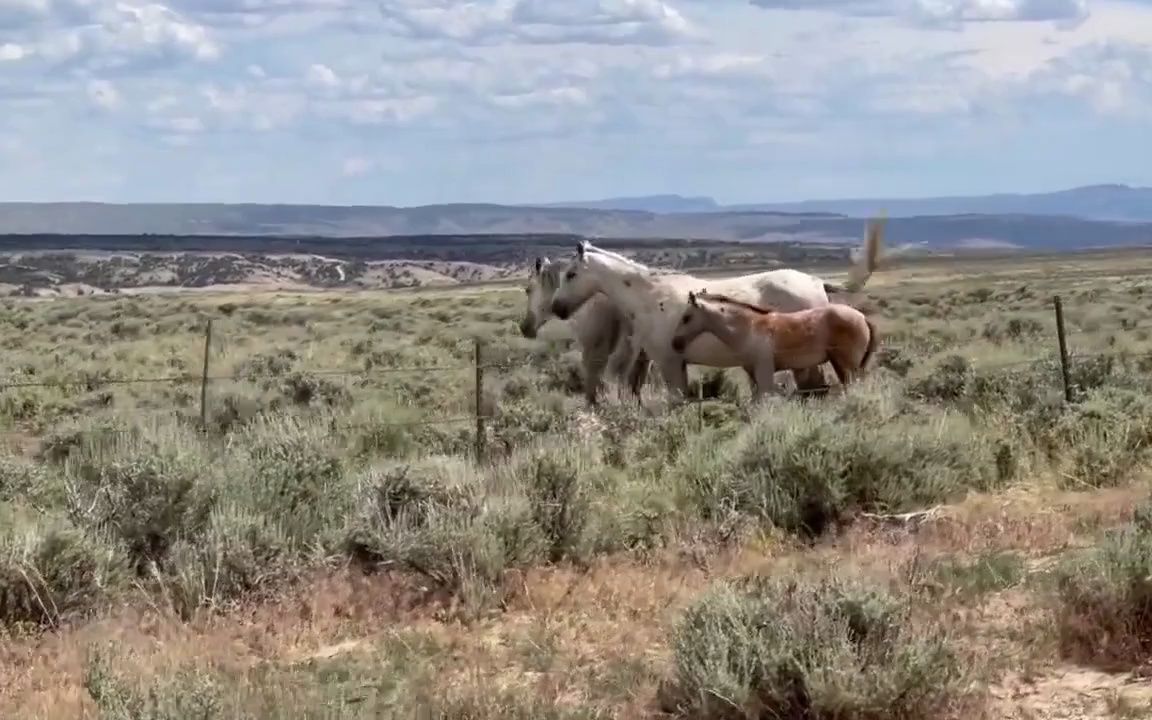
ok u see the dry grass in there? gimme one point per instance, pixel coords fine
(592, 638)
(547, 614)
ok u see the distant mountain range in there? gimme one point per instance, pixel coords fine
(1094, 216)
(1091, 202)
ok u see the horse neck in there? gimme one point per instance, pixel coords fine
(730, 327)
(629, 287)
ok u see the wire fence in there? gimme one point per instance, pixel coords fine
(480, 368)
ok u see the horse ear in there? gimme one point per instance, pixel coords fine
(691, 298)
(581, 247)
(539, 264)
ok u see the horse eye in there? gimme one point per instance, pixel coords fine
(571, 275)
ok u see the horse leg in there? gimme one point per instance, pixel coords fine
(843, 373)
(765, 375)
(620, 364)
(594, 362)
(750, 371)
(638, 374)
(674, 369)
(811, 381)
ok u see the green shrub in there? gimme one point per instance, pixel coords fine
(89, 436)
(973, 577)
(799, 648)
(293, 471)
(30, 483)
(519, 424)
(51, 571)
(146, 491)
(560, 503)
(427, 517)
(187, 693)
(1102, 441)
(240, 554)
(1104, 598)
(806, 468)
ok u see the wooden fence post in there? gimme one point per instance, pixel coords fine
(478, 360)
(204, 376)
(1061, 338)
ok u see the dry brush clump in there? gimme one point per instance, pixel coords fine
(1103, 598)
(824, 649)
(808, 468)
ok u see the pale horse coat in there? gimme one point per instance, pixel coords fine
(601, 330)
(655, 302)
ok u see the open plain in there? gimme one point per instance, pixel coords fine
(950, 539)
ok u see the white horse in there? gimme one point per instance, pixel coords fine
(656, 301)
(603, 332)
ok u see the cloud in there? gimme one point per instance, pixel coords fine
(710, 66)
(454, 99)
(10, 52)
(1112, 78)
(491, 22)
(103, 35)
(253, 13)
(357, 166)
(944, 11)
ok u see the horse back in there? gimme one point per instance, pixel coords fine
(785, 290)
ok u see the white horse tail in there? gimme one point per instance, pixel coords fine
(865, 264)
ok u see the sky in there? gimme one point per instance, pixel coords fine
(409, 102)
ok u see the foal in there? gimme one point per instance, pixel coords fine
(767, 341)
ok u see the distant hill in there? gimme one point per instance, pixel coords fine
(646, 203)
(1098, 216)
(1091, 202)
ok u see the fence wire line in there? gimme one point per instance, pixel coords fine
(94, 383)
(332, 429)
(239, 377)
(451, 420)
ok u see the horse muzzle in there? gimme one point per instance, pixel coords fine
(528, 329)
(560, 310)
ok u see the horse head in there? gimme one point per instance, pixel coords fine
(541, 286)
(691, 324)
(576, 285)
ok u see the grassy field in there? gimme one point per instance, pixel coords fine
(949, 539)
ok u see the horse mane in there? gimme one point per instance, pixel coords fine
(728, 300)
(592, 249)
(633, 264)
(550, 272)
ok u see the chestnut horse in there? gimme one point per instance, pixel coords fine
(766, 340)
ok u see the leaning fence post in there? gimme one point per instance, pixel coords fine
(204, 376)
(1062, 339)
(477, 359)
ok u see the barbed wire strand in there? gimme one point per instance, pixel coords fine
(332, 429)
(345, 427)
(250, 377)
(94, 383)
